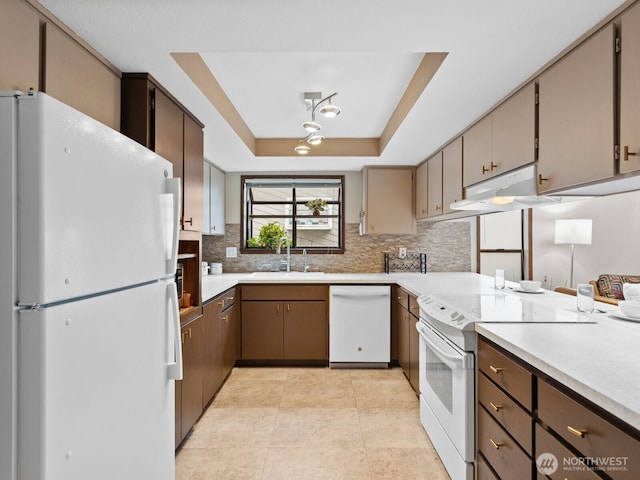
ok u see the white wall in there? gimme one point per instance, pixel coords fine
(615, 244)
(352, 190)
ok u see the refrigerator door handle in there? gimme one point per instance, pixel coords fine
(173, 187)
(175, 367)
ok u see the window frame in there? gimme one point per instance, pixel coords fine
(336, 216)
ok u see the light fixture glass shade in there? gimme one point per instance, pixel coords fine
(315, 140)
(576, 231)
(302, 149)
(311, 126)
(330, 111)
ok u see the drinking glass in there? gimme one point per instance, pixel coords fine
(585, 298)
(499, 279)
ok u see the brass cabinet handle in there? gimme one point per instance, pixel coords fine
(221, 303)
(492, 166)
(225, 318)
(277, 308)
(496, 445)
(413, 307)
(626, 153)
(189, 333)
(288, 308)
(576, 432)
(485, 169)
(182, 338)
(497, 408)
(495, 369)
(541, 179)
(438, 208)
(229, 298)
(424, 211)
(190, 221)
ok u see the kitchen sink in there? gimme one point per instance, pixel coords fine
(276, 275)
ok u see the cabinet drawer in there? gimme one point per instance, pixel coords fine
(501, 451)
(513, 418)
(414, 308)
(483, 470)
(284, 292)
(566, 466)
(588, 432)
(402, 297)
(228, 298)
(505, 372)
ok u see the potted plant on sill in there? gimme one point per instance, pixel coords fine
(316, 205)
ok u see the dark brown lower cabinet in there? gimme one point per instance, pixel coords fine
(284, 323)
(531, 426)
(193, 368)
(405, 313)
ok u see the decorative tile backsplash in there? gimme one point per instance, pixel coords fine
(447, 245)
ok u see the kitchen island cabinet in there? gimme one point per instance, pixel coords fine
(577, 116)
(523, 414)
(284, 323)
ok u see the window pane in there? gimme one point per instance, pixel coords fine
(271, 194)
(267, 238)
(329, 194)
(317, 232)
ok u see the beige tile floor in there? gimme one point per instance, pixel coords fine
(310, 423)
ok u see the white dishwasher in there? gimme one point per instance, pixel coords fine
(359, 326)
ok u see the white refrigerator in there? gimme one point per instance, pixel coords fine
(89, 322)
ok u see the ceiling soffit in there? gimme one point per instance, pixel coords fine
(198, 71)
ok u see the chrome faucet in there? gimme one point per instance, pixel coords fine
(288, 262)
(304, 256)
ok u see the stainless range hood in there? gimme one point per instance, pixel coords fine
(514, 190)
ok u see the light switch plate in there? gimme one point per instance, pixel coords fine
(232, 252)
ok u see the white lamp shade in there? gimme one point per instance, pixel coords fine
(575, 231)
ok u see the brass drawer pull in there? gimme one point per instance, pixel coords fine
(496, 445)
(541, 179)
(497, 408)
(626, 153)
(492, 166)
(485, 169)
(576, 432)
(495, 369)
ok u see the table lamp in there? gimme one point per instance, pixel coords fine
(575, 231)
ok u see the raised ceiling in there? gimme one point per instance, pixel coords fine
(263, 56)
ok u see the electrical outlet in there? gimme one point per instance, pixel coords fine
(403, 252)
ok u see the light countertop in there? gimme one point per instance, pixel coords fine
(600, 361)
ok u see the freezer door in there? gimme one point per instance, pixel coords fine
(94, 394)
(95, 209)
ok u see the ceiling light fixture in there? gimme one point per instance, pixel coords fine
(313, 100)
(302, 149)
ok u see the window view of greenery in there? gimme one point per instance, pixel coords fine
(303, 212)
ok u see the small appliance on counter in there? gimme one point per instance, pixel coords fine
(215, 269)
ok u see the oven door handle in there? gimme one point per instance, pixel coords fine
(451, 360)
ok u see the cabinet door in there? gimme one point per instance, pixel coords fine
(421, 191)
(477, 152)
(389, 200)
(168, 133)
(414, 354)
(74, 76)
(404, 340)
(576, 115)
(212, 374)
(229, 339)
(629, 91)
(206, 198)
(19, 47)
(451, 174)
(217, 225)
(192, 365)
(434, 173)
(514, 131)
(262, 330)
(192, 175)
(305, 330)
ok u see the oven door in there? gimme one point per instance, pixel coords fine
(447, 388)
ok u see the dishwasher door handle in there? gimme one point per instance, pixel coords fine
(360, 295)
